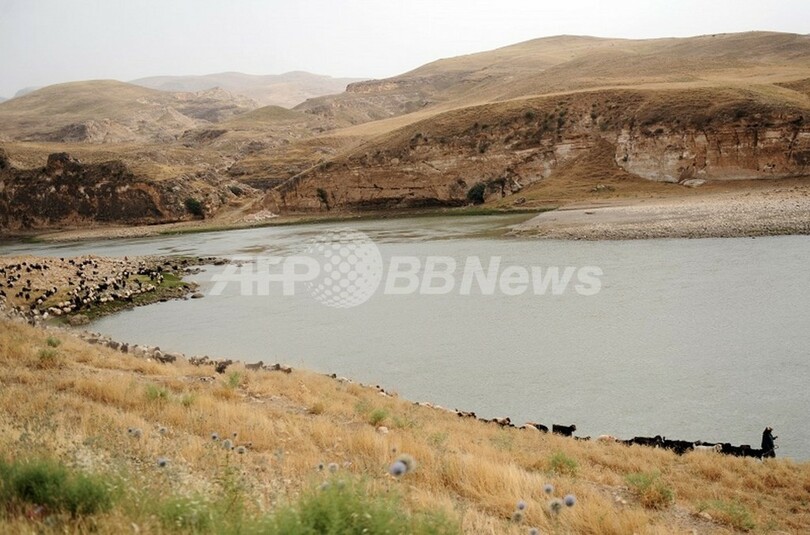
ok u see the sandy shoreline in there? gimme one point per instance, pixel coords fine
(776, 212)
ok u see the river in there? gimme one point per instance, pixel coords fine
(692, 339)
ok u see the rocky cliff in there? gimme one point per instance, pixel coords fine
(683, 136)
(67, 192)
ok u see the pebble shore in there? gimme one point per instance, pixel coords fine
(773, 213)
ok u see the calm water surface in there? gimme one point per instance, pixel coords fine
(692, 339)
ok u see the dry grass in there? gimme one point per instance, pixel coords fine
(475, 472)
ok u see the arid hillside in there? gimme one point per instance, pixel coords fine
(106, 111)
(185, 449)
(650, 140)
(543, 123)
(570, 63)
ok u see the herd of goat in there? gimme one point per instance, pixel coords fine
(680, 447)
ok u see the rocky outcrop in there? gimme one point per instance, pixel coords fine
(67, 191)
(725, 152)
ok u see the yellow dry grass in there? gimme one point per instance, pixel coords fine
(476, 472)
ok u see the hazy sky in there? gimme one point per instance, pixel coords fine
(50, 41)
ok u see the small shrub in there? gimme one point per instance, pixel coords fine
(731, 513)
(49, 358)
(377, 416)
(194, 207)
(156, 393)
(51, 485)
(188, 399)
(53, 341)
(323, 197)
(476, 193)
(651, 490)
(317, 408)
(560, 463)
(234, 379)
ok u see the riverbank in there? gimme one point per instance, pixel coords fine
(765, 209)
(150, 425)
(722, 215)
(217, 225)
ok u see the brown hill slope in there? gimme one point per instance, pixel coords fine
(566, 63)
(101, 111)
(680, 136)
(679, 111)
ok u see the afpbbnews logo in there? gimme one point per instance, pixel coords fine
(440, 275)
(344, 268)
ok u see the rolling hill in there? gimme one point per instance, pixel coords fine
(541, 123)
(681, 111)
(100, 111)
(569, 63)
(284, 90)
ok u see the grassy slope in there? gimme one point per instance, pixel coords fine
(78, 403)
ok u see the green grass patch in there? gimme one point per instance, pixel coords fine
(52, 486)
(733, 514)
(234, 380)
(347, 507)
(562, 464)
(48, 358)
(377, 417)
(651, 490)
(156, 393)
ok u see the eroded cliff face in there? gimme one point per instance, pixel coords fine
(508, 147)
(66, 191)
(778, 149)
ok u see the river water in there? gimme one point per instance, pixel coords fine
(692, 339)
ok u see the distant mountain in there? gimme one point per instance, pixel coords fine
(102, 111)
(286, 90)
(3, 99)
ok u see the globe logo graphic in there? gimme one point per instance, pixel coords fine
(351, 268)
